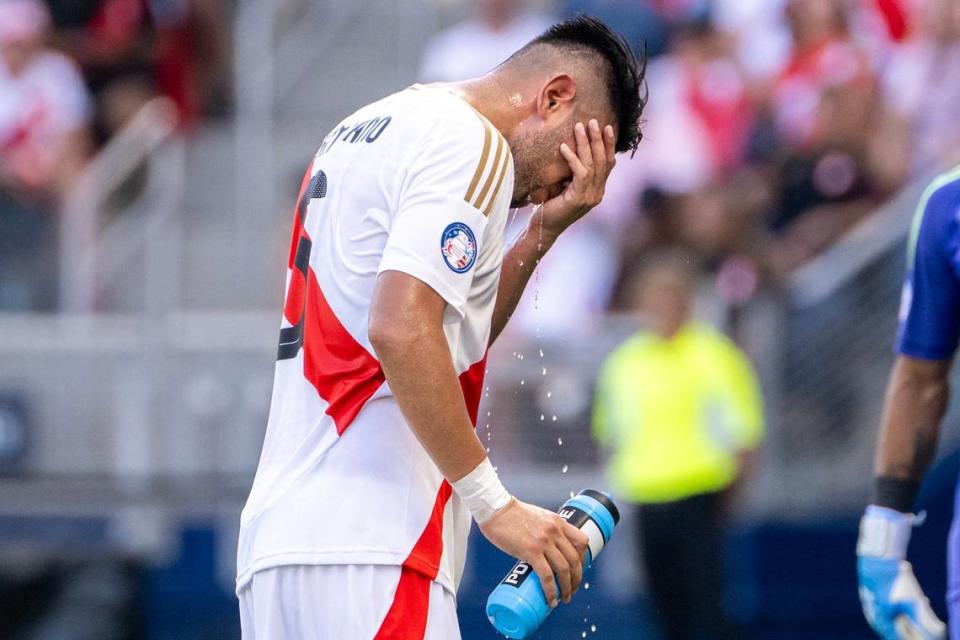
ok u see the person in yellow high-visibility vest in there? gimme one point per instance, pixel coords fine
(679, 406)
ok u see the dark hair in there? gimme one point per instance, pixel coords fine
(626, 70)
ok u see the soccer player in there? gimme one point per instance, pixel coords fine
(915, 404)
(371, 471)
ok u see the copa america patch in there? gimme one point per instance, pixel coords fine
(458, 246)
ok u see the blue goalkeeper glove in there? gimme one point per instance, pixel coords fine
(891, 597)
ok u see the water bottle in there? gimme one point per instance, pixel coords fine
(518, 606)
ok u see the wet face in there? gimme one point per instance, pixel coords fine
(541, 171)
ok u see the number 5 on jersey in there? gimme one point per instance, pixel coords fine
(291, 338)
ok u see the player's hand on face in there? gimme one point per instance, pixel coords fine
(590, 164)
(552, 546)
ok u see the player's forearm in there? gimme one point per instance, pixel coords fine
(915, 404)
(892, 600)
(520, 262)
(417, 364)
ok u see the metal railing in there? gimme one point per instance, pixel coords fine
(95, 246)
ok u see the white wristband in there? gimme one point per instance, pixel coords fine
(482, 492)
(885, 533)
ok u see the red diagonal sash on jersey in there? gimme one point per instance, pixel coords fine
(407, 617)
(471, 382)
(343, 372)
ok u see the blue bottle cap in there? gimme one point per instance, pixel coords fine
(511, 615)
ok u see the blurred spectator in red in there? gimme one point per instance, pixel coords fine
(475, 46)
(922, 86)
(44, 105)
(825, 61)
(175, 48)
(828, 118)
(44, 117)
(715, 91)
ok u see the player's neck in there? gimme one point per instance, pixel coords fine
(493, 98)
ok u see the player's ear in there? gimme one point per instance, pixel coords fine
(556, 96)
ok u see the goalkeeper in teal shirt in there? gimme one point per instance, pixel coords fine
(915, 404)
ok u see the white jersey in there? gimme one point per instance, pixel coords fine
(421, 183)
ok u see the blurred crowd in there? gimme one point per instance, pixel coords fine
(773, 127)
(72, 74)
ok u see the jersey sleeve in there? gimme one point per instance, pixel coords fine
(438, 234)
(930, 304)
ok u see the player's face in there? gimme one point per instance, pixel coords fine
(541, 171)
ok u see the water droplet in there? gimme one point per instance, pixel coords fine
(522, 382)
(564, 469)
(541, 353)
(593, 628)
(586, 585)
(549, 393)
(559, 440)
(544, 371)
(488, 415)
(583, 635)
(495, 470)
(543, 417)
(571, 495)
(554, 418)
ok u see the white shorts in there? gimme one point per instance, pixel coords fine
(346, 602)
